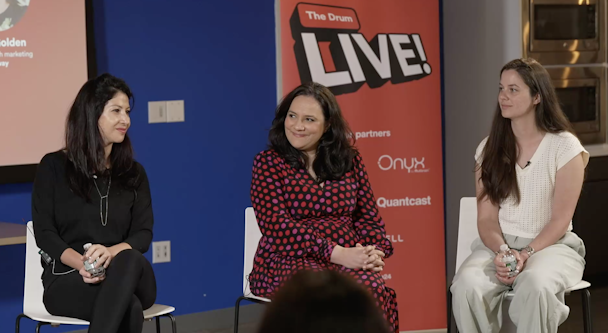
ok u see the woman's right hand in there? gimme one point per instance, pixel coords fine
(86, 277)
(351, 257)
(502, 272)
(375, 260)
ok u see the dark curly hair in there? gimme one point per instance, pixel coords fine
(335, 152)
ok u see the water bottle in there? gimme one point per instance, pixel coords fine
(90, 267)
(509, 259)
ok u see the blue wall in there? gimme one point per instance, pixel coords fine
(218, 56)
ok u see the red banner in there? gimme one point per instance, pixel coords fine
(382, 61)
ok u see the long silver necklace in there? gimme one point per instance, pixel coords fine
(102, 197)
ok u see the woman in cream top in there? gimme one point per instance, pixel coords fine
(536, 182)
(529, 174)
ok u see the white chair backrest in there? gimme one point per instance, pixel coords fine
(252, 238)
(467, 229)
(33, 289)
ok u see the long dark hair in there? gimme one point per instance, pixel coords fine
(323, 302)
(335, 152)
(500, 152)
(84, 143)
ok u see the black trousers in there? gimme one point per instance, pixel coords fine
(114, 305)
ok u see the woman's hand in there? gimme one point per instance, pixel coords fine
(86, 277)
(375, 261)
(352, 257)
(100, 253)
(502, 272)
(522, 258)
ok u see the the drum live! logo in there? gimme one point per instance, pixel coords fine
(329, 50)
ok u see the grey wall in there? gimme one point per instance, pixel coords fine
(479, 37)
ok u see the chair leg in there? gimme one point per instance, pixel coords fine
(587, 324)
(449, 301)
(236, 314)
(40, 324)
(18, 321)
(157, 324)
(173, 323)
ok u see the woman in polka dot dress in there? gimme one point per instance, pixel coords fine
(314, 203)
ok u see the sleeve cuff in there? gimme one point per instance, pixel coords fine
(328, 250)
(386, 248)
(58, 251)
(138, 244)
(572, 154)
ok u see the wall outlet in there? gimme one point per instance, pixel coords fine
(175, 111)
(157, 112)
(161, 252)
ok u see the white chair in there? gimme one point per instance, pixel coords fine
(34, 309)
(252, 238)
(467, 233)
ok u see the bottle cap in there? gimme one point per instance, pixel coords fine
(504, 247)
(87, 246)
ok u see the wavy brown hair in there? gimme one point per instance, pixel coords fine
(500, 152)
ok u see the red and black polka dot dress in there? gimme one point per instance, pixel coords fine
(301, 222)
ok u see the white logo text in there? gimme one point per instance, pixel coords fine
(403, 202)
(372, 134)
(414, 164)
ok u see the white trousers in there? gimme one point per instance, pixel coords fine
(538, 305)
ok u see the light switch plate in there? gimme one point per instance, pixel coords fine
(161, 252)
(175, 111)
(157, 112)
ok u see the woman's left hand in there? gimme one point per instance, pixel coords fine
(521, 264)
(375, 260)
(101, 253)
(522, 258)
